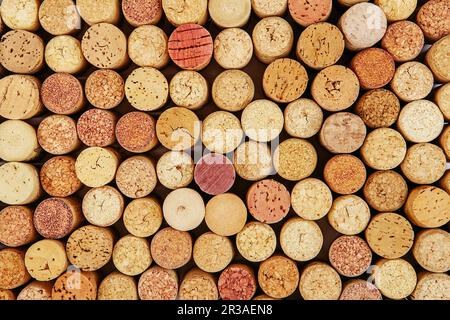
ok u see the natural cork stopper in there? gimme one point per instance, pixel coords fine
(171, 249)
(36, 290)
(221, 132)
(7, 295)
(262, 120)
(237, 282)
(396, 279)
(278, 277)
(233, 48)
(319, 281)
(193, 11)
(269, 8)
(404, 40)
(19, 183)
(226, 214)
(349, 215)
(96, 11)
(432, 250)
(136, 177)
(434, 19)
(256, 242)
(58, 177)
(142, 12)
(13, 272)
(96, 167)
(143, 217)
(135, 132)
(189, 89)
(96, 128)
(303, 118)
(378, 108)
(59, 17)
(374, 68)
(18, 141)
(212, 253)
(360, 290)
(436, 59)
(424, 163)
(311, 199)
(233, 90)
(412, 81)
(62, 93)
(103, 206)
(175, 169)
(105, 89)
(295, 159)
(46, 260)
(75, 285)
(230, 14)
(63, 54)
(118, 286)
(431, 286)
(397, 10)
(198, 285)
(57, 134)
(306, 12)
(131, 255)
(21, 15)
(350, 256)
(345, 174)
(184, 209)
(214, 174)
(16, 226)
(158, 284)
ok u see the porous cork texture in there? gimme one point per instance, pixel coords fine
(301, 240)
(432, 286)
(63, 94)
(13, 272)
(233, 90)
(437, 59)
(226, 214)
(349, 215)
(135, 132)
(143, 217)
(96, 167)
(303, 118)
(262, 120)
(136, 177)
(232, 14)
(306, 12)
(118, 286)
(75, 285)
(253, 161)
(442, 99)
(63, 54)
(142, 12)
(16, 226)
(105, 89)
(96, 11)
(278, 277)
(198, 285)
(233, 48)
(311, 199)
(295, 159)
(320, 45)
(189, 89)
(57, 134)
(214, 174)
(96, 128)
(171, 249)
(404, 40)
(36, 291)
(221, 132)
(397, 10)
(237, 282)
(384, 149)
(103, 206)
(273, 38)
(19, 183)
(350, 256)
(432, 250)
(256, 242)
(212, 253)
(18, 141)
(358, 289)
(131, 255)
(345, 174)
(396, 279)
(22, 15)
(58, 177)
(158, 284)
(46, 260)
(319, 281)
(378, 108)
(7, 295)
(434, 19)
(175, 169)
(444, 183)
(194, 11)
(184, 209)
(412, 81)
(269, 8)
(59, 17)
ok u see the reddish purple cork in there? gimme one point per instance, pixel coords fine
(214, 174)
(237, 282)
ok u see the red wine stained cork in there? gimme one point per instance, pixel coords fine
(90, 248)
(191, 47)
(230, 14)
(76, 285)
(311, 199)
(59, 17)
(58, 177)
(233, 48)
(198, 285)
(432, 250)
(378, 108)
(13, 272)
(96, 167)
(214, 174)
(237, 282)
(303, 118)
(436, 59)
(433, 18)
(343, 132)
(175, 169)
(222, 132)
(20, 15)
(345, 174)
(16, 226)
(6, 295)
(358, 289)
(131, 255)
(143, 217)
(184, 209)
(96, 128)
(103, 206)
(319, 281)
(147, 47)
(431, 286)
(350, 256)
(55, 218)
(19, 183)
(18, 141)
(136, 177)
(135, 132)
(349, 215)
(396, 10)
(269, 8)
(262, 120)
(105, 89)
(233, 90)
(158, 284)
(189, 89)
(62, 93)
(295, 159)
(268, 201)
(36, 290)
(171, 249)
(63, 54)
(404, 40)
(226, 214)
(256, 242)
(117, 286)
(46, 260)
(306, 12)
(412, 81)
(212, 253)
(99, 11)
(179, 12)
(278, 277)
(142, 12)
(57, 134)
(253, 161)
(396, 279)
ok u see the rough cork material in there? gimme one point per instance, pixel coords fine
(118, 286)
(221, 132)
(158, 284)
(256, 242)
(278, 277)
(233, 90)
(404, 40)
(295, 159)
(143, 217)
(349, 215)
(212, 253)
(62, 93)
(175, 169)
(345, 174)
(350, 256)
(311, 199)
(237, 282)
(262, 120)
(171, 249)
(233, 48)
(131, 255)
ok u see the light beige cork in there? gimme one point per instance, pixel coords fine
(136, 177)
(442, 99)
(349, 215)
(96, 167)
(269, 8)
(189, 89)
(96, 11)
(397, 10)
(226, 214)
(233, 48)
(59, 17)
(303, 118)
(117, 286)
(212, 252)
(256, 242)
(198, 285)
(18, 141)
(19, 183)
(103, 206)
(175, 169)
(311, 199)
(63, 54)
(262, 120)
(184, 209)
(319, 281)
(143, 217)
(233, 90)
(444, 141)
(222, 132)
(396, 279)
(22, 15)
(46, 260)
(180, 12)
(36, 290)
(57, 134)
(432, 250)
(131, 255)
(230, 14)
(253, 161)
(147, 47)
(412, 81)
(432, 286)
(445, 182)
(437, 59)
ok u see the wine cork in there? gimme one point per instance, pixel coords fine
(363, 25)
(301, 240)
(303, 118)
(349, 3)
(57, 134)
(135, 132)
(278, 277)
(212, 253)
(147, 89)
(36, 291)
(184, 209)
(96, 167)
(431, 286)
(285, 80)
(98, 11)
(444, 141)
(158, 284)
(105, 89)
(191, 47)
(18, 141)
(16, 226)
(335, 88)
(432, 250)
(22, 52)
(142, 12)
(386, 191)
(378, 108)
(103, 206)
(96, 128)
(230, 14)
(62, 93)
(350, 256)
(147, 46)
(396, 279)
(345, 174)
(427, 207)
(436, 59)
(75, 285)
(171, 249)
(58, 177)
(175, 169)
(268, 201)
(397, 10)
(19, 183)
(131, 255)
(189, 89)
(13, 272)
(233, 48)
(20, 15)
(273, 38)
(311, 199)
(445, 182)
(112, 54)
(404, 40)
(343, 132)
(442, 99)
(117, 286)
(306, 13)
(221, 132)
(233, 90)
(358, 289)
(424, 163)
(295, 159)
(59, 17)
(262, 120)
(433, 19)
(63, 54)
(412, 81)
(6, 295)
(136, 177)
(181, 12)
(237, 282)
(226, 214)
(319, 281)
(253, 161)
(214, 174)
(198, 285)
(143, 217)
(90, 247)
(269, 8)
(256, 242)
(178, 129)
(349, 215)
(46, 260)
(21, 98)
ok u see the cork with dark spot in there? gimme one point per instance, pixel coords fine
(432, 250)
(143, 217)
(434, 19)
(359, 289)
(378, 108)
(171, 249)
(136, 177)
(349, 215)
(175, 169)
(345, 174)
(105, 89)
(117, 286)
(307, 12)
(212, 253)
(350, 256)
(57, 134)
(214, 174)
(13, 272)
(62, 93)
(278, 277)
(194, 11)
(76, 285)
(103, 206)
(184, 209)
(237, 282)
(135, 132)
(36, 290)
(96, 128)
(16, 226)
(46, 259)
(58, 177)
(158, 284)
(404, 40)
(198, 285)
(142, 12)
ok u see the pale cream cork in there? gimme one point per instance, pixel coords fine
(253, 161)
(63, 54)
(256, 242)
(46, 260)
(175, 169)
(233, 90)
(143, 217)
(230, 14)
(233, 48)
(349, 215)
(193, 11)
(117, 286)
(444, 141)
(18, 141)
(59, 17)
(96, 167)
(131, 255)
(189, 89)
(319, 281)
(262, 120)
(147, 47)
(311, 199)
(397, 10)
(184, 209)
(432, 286)
(212, 253)
(96, 11)
(303, 118)
(36, 290)
(103, 206)
(432, 250)
(136, 177)
(226, 214)
(22, 15)
(269, 8)
(19, 183)
(412, 81)
(222, 132)
(396, 279)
